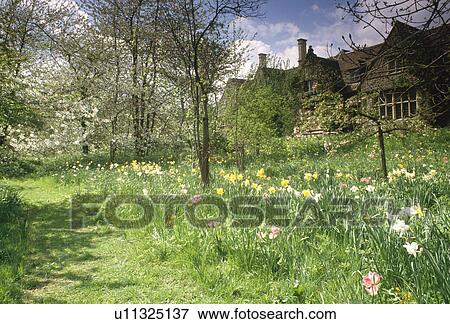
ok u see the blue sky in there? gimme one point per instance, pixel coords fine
(318, 21)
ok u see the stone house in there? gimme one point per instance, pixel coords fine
(406, 75)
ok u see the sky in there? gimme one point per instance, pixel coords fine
(318, 21)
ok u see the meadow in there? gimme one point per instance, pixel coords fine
(367, 239)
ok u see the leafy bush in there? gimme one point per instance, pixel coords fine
(12, 245)
(12, 166)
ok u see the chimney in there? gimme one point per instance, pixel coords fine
(301, 49)
(262, 60)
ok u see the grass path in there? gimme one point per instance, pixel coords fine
(96, 264)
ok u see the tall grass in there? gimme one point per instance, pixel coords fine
(315, 260)
(13, 246)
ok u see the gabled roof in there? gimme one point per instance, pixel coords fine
(438, 36)
(353, 60)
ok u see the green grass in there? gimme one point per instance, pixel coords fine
(13, 245)
(323, 263)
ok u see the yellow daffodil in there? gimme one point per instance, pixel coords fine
(419, 212)
(256, 186)
(272, 190)
(285, 183)
(220, 191)
(261, 174)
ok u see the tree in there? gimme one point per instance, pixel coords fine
(133, 29)
(205, 49)
(254, 116)
(18, 39)
(14, 108)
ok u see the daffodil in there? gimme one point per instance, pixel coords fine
(400, 227)
(285, 183)
(261, 174)
(419, 212)
(272, 190)
(256, 186)
(412, 248)
(307, 193)
(261, 235)
(232, 177)
(308, 176)
(220, 191)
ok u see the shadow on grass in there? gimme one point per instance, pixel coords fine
(55, 249)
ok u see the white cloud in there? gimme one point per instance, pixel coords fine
(280, 38)
(261, 29)
(254, 47)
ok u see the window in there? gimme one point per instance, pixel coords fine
(397, 105)
(396, 65)
(311, 86)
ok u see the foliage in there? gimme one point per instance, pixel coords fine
(13, 246)
(325, 111)
(257, 116)
(14, 108)
(13, 166)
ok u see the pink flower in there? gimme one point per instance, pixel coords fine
(366, 180)
(274, 232)
(196, 199)
(371, 283)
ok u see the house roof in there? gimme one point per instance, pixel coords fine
(352, 60)
(347, 61)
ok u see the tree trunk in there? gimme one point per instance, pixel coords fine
(382, 151)
(112, 143)
(84, 145)
(241, 157)
(204, 160)
(4, 136)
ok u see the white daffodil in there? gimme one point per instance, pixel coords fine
(411, 211)
(316, 197)
(400, 227)
(412, 248)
